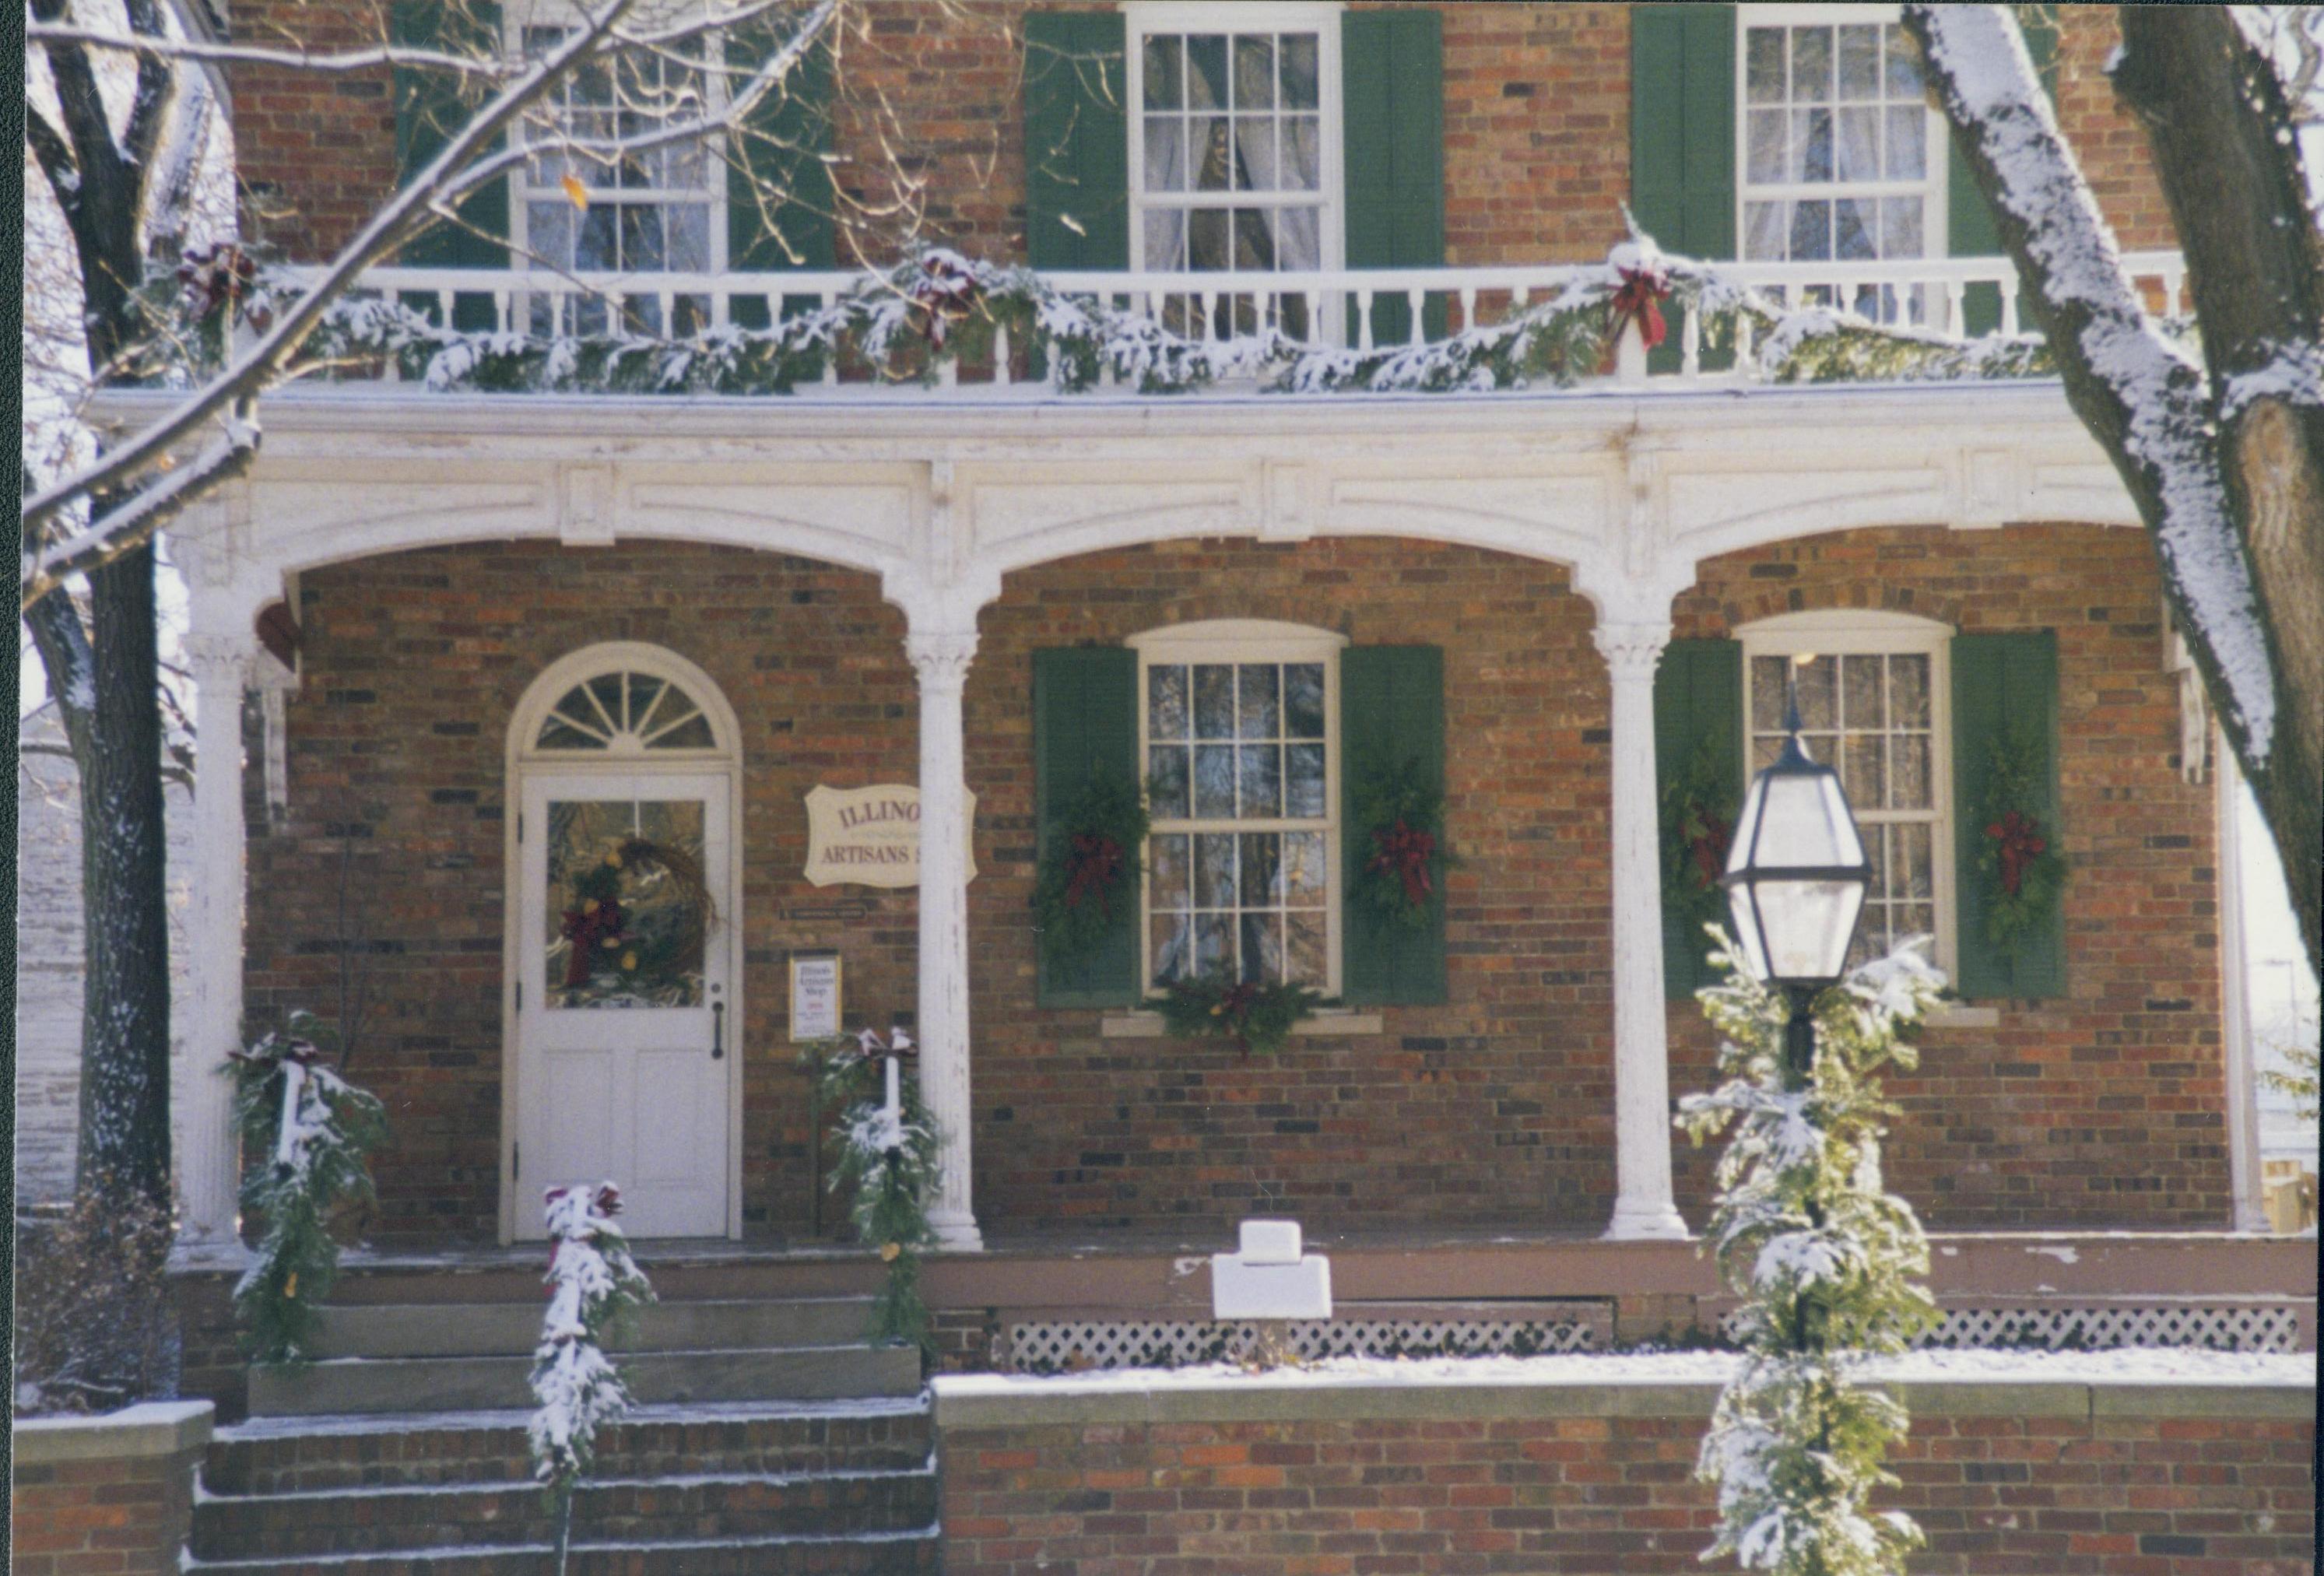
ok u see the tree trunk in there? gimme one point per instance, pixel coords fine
(2216, 114)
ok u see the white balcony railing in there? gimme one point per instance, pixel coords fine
(1332, 308)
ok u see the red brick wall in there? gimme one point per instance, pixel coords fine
(125, 1515)
(928, 126)
(2104, 1495)
(2104, 1107)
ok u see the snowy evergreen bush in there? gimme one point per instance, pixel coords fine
(307, 1136)
(889, 1158)
(594, 1286)
(1822, 1256)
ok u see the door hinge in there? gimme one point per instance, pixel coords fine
(516, 1162)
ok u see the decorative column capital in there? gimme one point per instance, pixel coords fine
(221, 659)
(1631, 650)
(941, 657)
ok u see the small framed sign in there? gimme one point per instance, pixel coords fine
(815, 995)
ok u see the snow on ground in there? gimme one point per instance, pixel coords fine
(2125, 1366)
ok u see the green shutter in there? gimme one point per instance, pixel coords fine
(2005, 687)
(1682, 141)
(778, 192)
(1391, 716)
(1084, 726)
(1698, 740)
(1969, 228)
(429, 110)
(1076, 141)
(1392, 106)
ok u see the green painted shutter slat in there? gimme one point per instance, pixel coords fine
(1698, 706)
(1076, 141)
(1084, 727)
(778, 192)
(2003, 687)
(1391, 713)
(1392, 107)
(429, 110)
(1682, 140)
(1969, 229)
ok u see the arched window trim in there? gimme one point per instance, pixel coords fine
(576, 668)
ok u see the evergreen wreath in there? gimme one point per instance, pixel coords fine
(1401, 816)
(890, 1163)
(607, 947)
(1088, 876)
(306, 1135)
(1698, 803)
(1260, 1017)
(2019, 869)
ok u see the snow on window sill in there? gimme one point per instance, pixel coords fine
(1138, 1025)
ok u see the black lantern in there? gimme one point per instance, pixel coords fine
(1796, 876)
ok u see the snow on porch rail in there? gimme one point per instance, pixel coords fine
(1383, 330)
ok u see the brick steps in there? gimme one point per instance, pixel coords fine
(404, 1384)
(836, 1555)
(391, 1330)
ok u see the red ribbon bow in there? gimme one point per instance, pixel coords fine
(1404, 853)
(942, 297)
(214, 276)
(1090, 865)
(1709, 846)
(1235, 1001)
(588, 929)
(1643, 292)
(2021, 843)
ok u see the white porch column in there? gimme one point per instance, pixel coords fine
(941, 657)
(207, 1180)
(1642, 1118)
(2247, 1196)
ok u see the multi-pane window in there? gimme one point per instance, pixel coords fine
(1838, 150)
(1872, 715)
(1231, 166)
(655, 210)
(1240, 866)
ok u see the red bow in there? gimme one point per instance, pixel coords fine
(1709, 846)
(1643, 290)
(588, 929)
(214, 276)
(1235, 1001)
(942, 297)
(1404, 853)
(1094, 861)
(2020, 837)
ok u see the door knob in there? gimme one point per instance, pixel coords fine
(718, 1031)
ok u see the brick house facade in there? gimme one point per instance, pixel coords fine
(2097, 1097)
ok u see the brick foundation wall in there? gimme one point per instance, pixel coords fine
(96, 1496)
(2002, 1478)
(1536, 126)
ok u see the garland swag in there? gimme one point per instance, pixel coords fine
(1260, 1016)
(1402, 819)
(307, 1136)
(1698, 803)
(889, 1158)
(1089, 871)
(2020, 870)
(594, 1288)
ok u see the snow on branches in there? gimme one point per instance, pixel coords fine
(888, 1155)
(593, 1284)
(307, 1133)
(1822, 1256)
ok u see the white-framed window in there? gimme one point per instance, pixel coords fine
(1839, 157)
(1235, 140)
(662, 210)
(1875, 703)
(1238, 728)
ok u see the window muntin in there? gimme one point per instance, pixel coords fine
(625, 714)
(1839, 155)
(1243, 860)
(1872, 705)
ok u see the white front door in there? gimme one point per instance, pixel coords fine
(626, 1049)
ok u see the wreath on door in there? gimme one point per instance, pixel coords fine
(623, 948)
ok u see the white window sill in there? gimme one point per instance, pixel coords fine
(1964, 1018)
(1327, 1020)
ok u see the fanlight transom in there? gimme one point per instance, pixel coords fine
(626, 712)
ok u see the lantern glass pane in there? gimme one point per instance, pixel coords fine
(1808, 927)
(1849, 847)
(1746, 923)
(1798, 826)
(1747, 826)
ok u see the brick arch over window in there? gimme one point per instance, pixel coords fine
(1773, 598)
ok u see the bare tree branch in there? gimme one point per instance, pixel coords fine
(157, 87)
(56, 157)
(490, 68)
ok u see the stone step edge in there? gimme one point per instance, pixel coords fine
(848, 1299)
(933, 1531)
(340, 1364)
(304, 1424)
(205, 1495)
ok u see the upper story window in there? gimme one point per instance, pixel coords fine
(1234, 163)
(1242, 867)
(1842, 159)
(1874, 691)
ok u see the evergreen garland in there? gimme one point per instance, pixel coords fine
(890, 1164)
(1088, 875)
(1400, 818)
(1699, 803)
(594, 1288)
(1822, 1257)
(2019, 868)
(307, 1136)
(1260, 1017)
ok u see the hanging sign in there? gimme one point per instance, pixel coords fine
(869, 836)
(815, 996)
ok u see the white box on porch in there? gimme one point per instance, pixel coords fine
(1268, 1277)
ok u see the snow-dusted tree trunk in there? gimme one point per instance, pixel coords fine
(2224, 463)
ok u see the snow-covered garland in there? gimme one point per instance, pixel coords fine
(593, 1286)
(1822, 1256)
(306, 1136)
(938, 306)
(888, 1155)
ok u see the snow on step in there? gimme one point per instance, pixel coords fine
(383, 1330)
(367, 1384)
(826, 1554)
